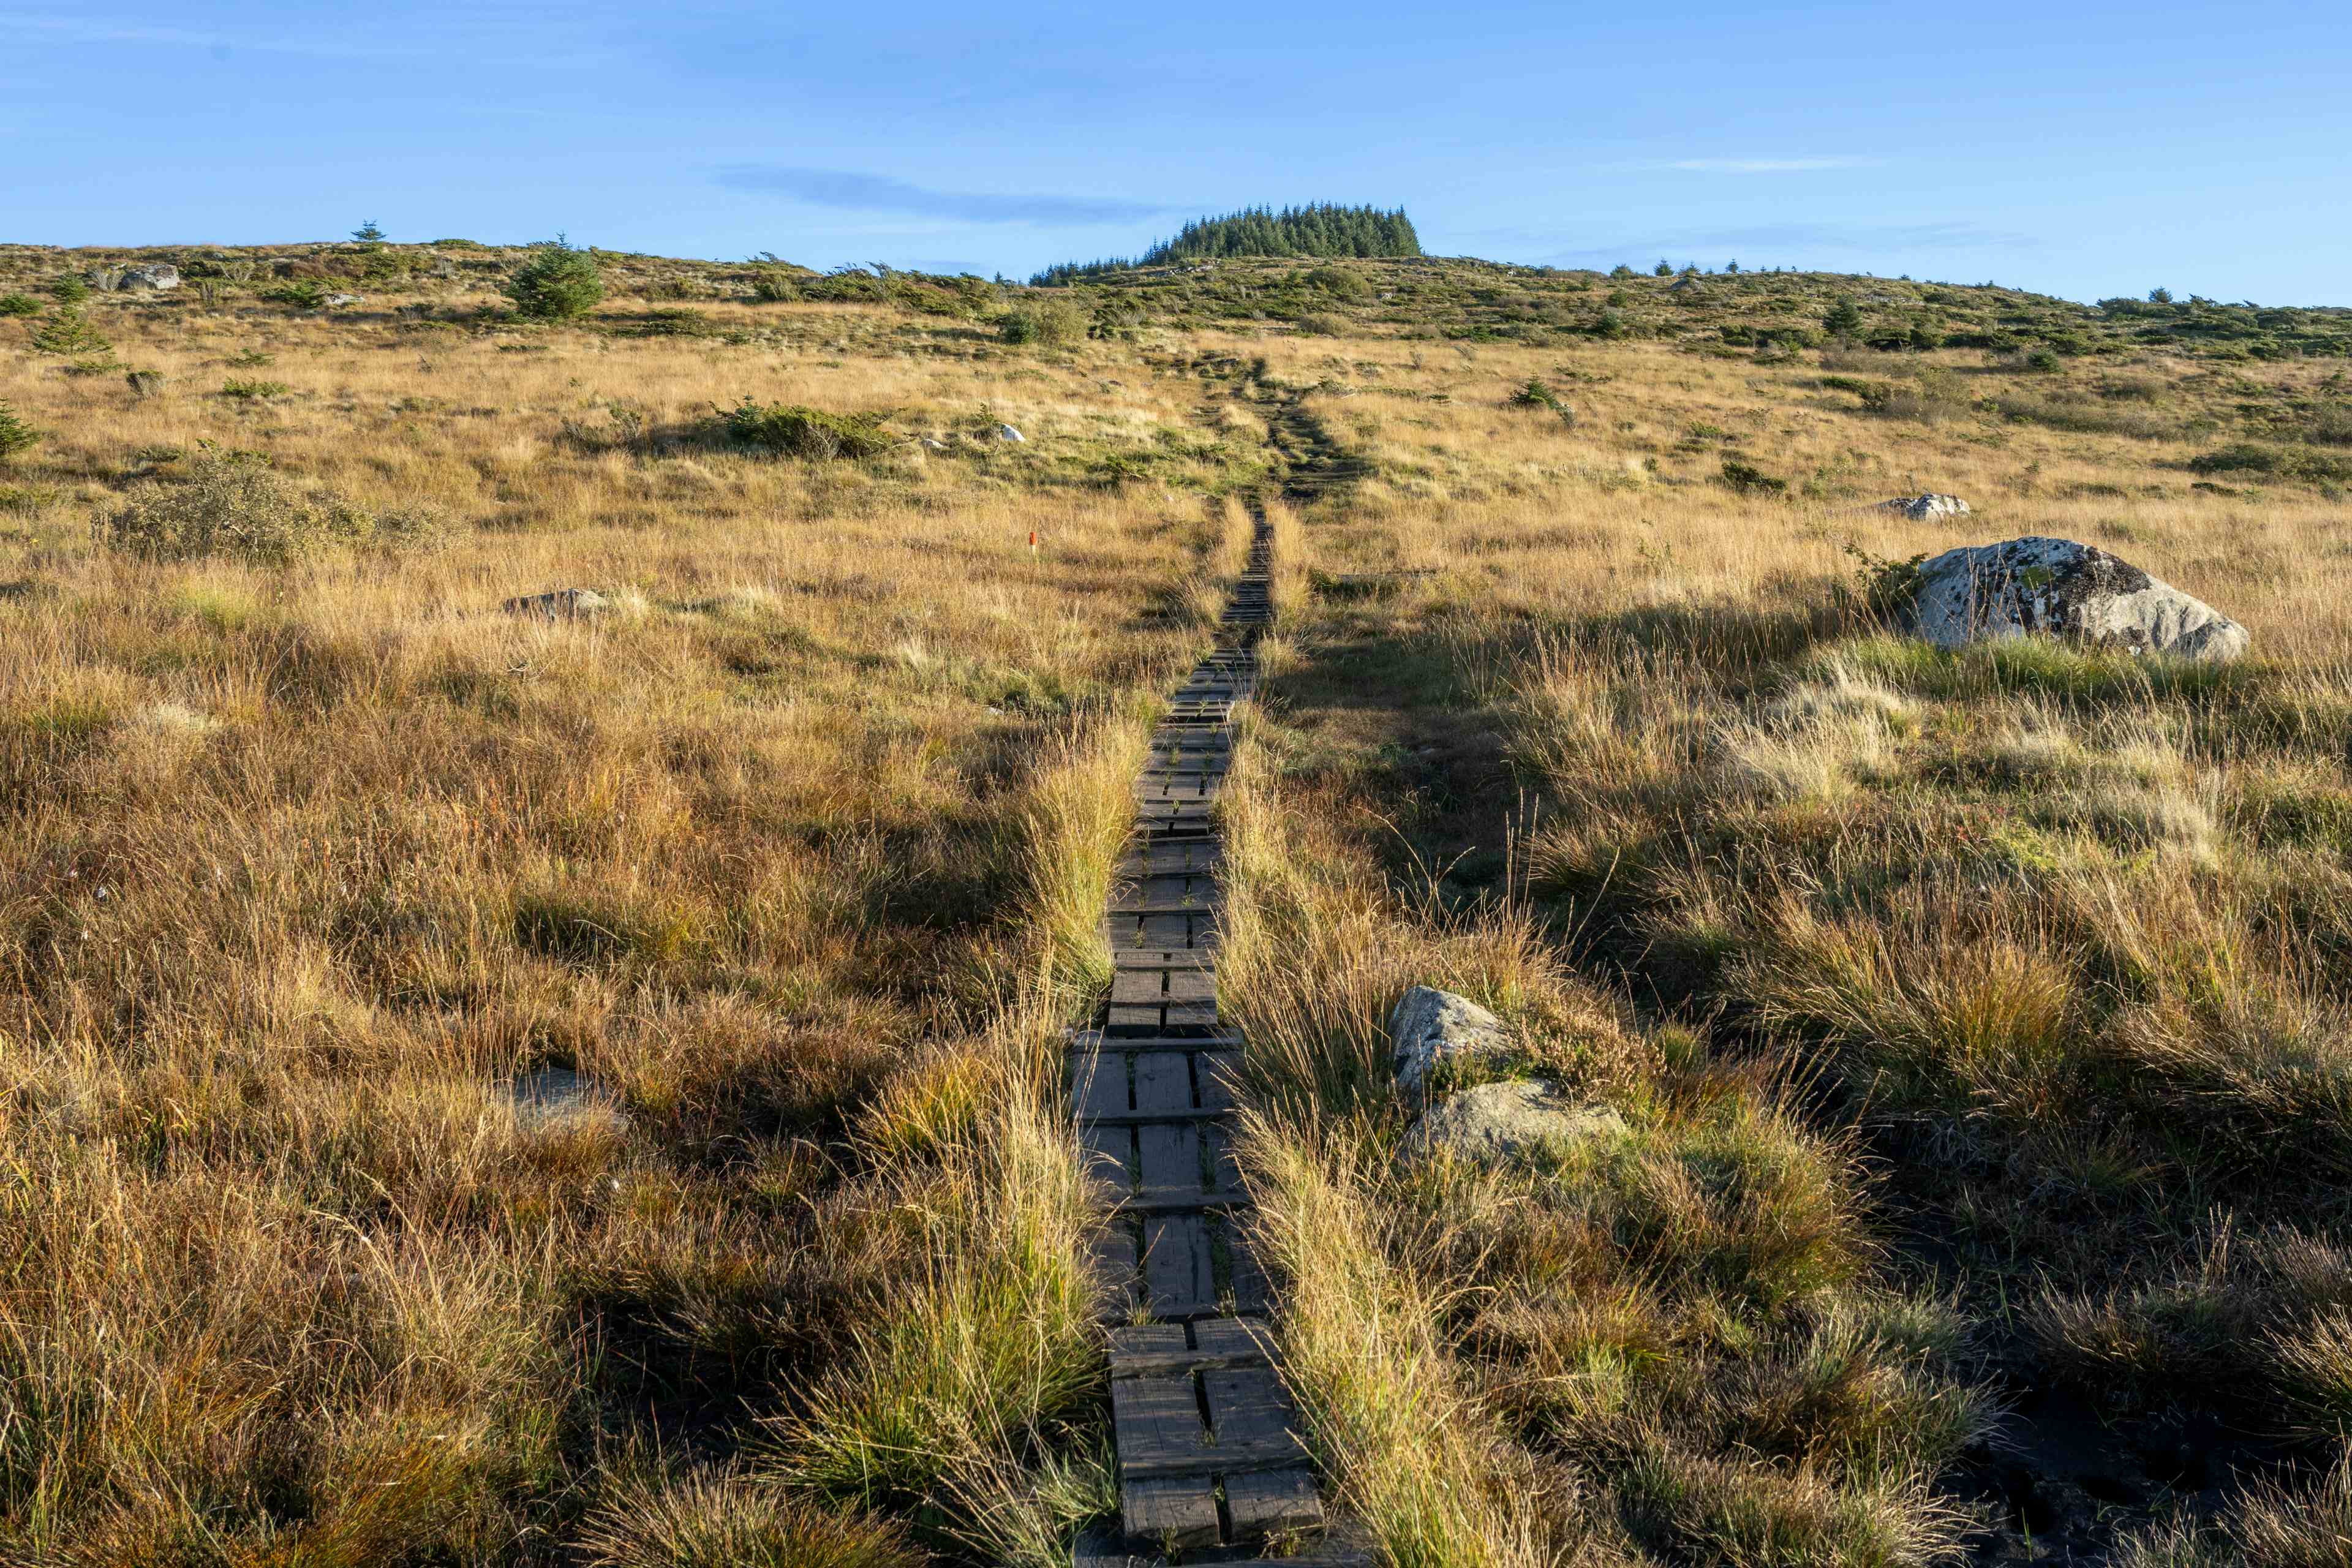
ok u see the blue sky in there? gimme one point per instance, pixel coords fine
(2081, 149)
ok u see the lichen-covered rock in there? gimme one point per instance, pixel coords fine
(1926, 506)
(1982, 593)
(1431, 1026)
(155, 275)
(1525, 1119)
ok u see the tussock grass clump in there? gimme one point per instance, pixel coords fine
(811, 433)
(717, 1520)
(988, 1348)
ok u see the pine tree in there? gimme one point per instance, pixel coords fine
(68, 332)
(15, 435)
(1322, 229)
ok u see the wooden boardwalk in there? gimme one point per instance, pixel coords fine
(1209, 1462)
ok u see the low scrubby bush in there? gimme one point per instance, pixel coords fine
(19, 305)
(799, 432)
(236, 506)
(1750, 481)
(2281, 462)
(1049, 323)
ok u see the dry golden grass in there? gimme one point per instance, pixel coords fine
(795, 856)
(2052, 935)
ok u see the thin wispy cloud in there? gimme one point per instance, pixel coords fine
(850, 191)
(1768, 165)
(1768, 245)
(32, 29)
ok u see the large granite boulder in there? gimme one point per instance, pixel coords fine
(1431, 1027)
(151, 277)
(1981, 593)
(1495, 1123)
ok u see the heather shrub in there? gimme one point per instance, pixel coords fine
(798, 432)
(236, 506)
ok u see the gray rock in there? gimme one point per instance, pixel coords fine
(340, 300)
(1431, 1026)
(1492, 1123)
(559, 1100)
(150, 276)
(1984, 592)
(933, 445)
(564, 604)
(1926, 506)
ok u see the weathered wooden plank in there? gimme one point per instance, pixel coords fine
(1148, 1339)
(1260, 1505)
(1178, 1200)
(1172, 892)
(1164, 958)
(1097, 1083)
(1157, 1421)
(1110, 1156)
(1251, 1411)
(1170, 1515)
(1115, 1260)
(1164, 1081)
(1189, 1044)
(1216, 1074)
(1239, 1339)
(1224, 1175)
(1193, 985)
(1250, 1291)
(1169, 1158)
(1145, 1118)
(1162, 860)
(1176, 1266)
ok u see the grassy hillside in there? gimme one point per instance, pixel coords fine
(1977, 1019)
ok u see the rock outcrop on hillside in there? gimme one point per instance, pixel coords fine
(1981, 593)
(1926, 506)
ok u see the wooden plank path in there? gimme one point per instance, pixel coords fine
(1209, 1460)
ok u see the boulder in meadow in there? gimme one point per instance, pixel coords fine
(1524, 1119)
(1430, 1028)
(1923, 507)
(1982, 593)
